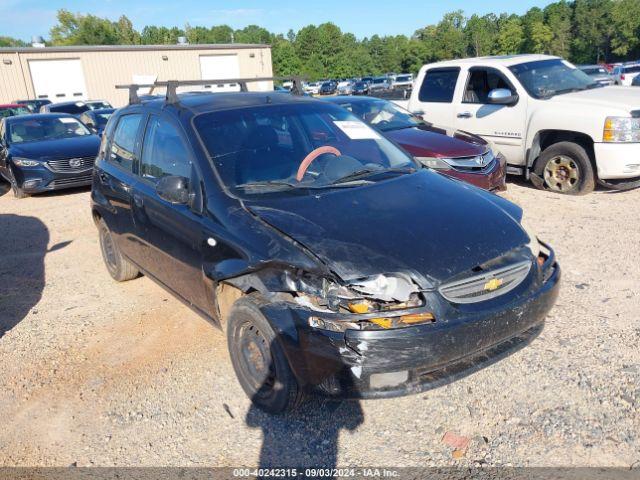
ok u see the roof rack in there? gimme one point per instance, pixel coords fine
(172, 86)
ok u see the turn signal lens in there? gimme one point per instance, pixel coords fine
(362, 307)
(382, 322)
(417, 318)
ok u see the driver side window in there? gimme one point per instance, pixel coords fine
(164, 152)
(480, 83)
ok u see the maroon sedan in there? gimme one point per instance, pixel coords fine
(451, 152)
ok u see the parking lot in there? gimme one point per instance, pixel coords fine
(100, 373)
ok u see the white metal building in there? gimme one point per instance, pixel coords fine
(91, 72)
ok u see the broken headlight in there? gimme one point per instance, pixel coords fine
(366, 295)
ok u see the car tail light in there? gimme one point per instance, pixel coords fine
(622, 77)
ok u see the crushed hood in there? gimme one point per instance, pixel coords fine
(426, 225)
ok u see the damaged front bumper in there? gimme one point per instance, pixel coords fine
(394, 362)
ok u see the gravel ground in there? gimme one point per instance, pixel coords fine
(99, 373)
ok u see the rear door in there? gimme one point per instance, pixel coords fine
(114, 179)
(501, 124)
(435, 96)
(171, 235)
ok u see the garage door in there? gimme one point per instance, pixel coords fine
(220, 67)
(58, 80)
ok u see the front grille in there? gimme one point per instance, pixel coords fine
(69, 182)
(486, 285)
(477, 164)
(70, 165)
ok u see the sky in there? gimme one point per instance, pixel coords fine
(26, 18)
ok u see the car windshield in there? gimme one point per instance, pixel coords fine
(102, 118)
(45, 128)
(98, 105)
(262, 149)
(404, 78)
(594, 71)
(634, 69)
(383, 115)
(71, 108)
(379, 80)
(547, 78)
(12, 111)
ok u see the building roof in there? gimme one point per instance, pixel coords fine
(126, 48)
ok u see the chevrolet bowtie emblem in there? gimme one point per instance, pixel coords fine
(493, 284)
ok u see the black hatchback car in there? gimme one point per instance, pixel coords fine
(44, 152)
(335, 263)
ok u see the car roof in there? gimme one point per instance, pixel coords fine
(503, 60)
(37, 116)
(200, 102)
(11, 105)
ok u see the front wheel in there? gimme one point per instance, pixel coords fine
(17, 191)
(566, 168)
(259, 360)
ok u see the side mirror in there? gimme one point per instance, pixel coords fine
(502, 96)
(174, 189)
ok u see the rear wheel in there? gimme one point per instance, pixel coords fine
(565, 168)
(258, 359)
(118, 266)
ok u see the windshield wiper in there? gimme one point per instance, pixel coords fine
(268, 183)
(366, 172)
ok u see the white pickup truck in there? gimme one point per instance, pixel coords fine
(551, 122)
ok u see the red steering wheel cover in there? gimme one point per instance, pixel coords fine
(302, 169)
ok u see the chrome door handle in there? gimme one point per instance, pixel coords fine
(465, 115)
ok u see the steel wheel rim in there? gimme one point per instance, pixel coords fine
(255, 360)
(108, 250)
(561, 173)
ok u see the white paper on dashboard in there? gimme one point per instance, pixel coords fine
(357, 130)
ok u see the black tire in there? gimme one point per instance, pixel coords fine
(258, 359)
(117, 265)
(566, 168)
(17, 191)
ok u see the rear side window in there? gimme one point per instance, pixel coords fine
(438, 85)
(164, 153)
(124, 141)
(634, 69)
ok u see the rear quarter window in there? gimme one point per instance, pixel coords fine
(439, 85)
(122, 147)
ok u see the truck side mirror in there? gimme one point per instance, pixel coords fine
(502, 96)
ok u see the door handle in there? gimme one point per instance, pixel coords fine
(464, 115)
(138, 200)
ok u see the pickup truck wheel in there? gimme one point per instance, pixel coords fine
(258, 359)
(118, 266)
(565, 168)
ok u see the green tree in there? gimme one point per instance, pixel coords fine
(625, 16)
(77, 29)
(558, 18)
(593, 29)
(450, 39)
(127, 35)
(252, 34)
(11, 42)
(510, 35)
(481, 34)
